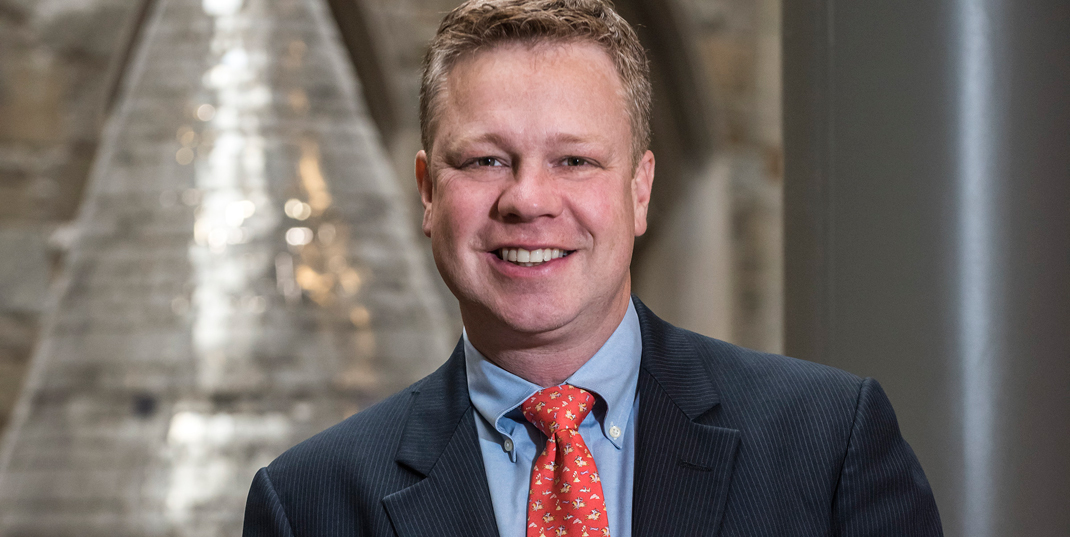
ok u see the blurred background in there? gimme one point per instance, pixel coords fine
(210, 245)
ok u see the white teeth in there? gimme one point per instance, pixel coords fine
(530, 258)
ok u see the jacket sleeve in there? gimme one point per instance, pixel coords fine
(882, 488)
(264, 515)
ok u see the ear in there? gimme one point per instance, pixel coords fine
(641, 185)
(426, 187)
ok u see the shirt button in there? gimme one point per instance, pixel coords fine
(614, 431)
(508, 444)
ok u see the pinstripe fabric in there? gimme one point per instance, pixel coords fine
(731, 442)
(801, 448)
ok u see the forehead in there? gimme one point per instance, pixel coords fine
(572, 87)
(545, 65)
(547, 48)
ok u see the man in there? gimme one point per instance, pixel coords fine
(568, 408)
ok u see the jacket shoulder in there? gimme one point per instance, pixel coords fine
(735, 372)
(333, 482)
(782, 386)
(369, 436)
(764, 372)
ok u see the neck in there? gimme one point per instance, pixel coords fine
(546, 358)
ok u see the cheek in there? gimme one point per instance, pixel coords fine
(606, 210)
(460, 210)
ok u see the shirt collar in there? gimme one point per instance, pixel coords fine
(612, 374)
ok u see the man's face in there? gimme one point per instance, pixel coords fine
(532, 158)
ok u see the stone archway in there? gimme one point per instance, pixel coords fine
(712, 260)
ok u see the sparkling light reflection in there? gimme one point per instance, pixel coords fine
(319, 198)
(975, 260)
(298, 236)
(203, 370)
(236, 227)
(232, 183)
(231, 186)
(220, 8)
(194, 440)
(297, 209)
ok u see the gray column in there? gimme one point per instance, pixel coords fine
(928, 236)
(245, 275)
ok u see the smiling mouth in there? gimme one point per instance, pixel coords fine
(530, 258)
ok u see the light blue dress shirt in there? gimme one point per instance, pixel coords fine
(510, 444)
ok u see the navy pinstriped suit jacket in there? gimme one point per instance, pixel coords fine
(731, 442)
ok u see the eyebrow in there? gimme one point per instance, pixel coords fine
(565, 138)
(488, 137)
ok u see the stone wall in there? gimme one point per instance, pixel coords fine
(58, 64)
(718, 267)
(243, 275)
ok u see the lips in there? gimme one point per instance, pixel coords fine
(530, 258)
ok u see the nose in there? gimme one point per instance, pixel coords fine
(531, 194)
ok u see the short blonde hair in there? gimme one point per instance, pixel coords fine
(478, 25)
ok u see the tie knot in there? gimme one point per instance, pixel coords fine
(558, 408)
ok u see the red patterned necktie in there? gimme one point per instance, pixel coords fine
(566, 494)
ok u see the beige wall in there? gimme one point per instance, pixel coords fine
(718, 269)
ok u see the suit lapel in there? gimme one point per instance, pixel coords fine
(440, 444)
(683, 466)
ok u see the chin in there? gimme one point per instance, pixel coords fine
(536, 315)
(532, 319)
(533, 325)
